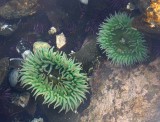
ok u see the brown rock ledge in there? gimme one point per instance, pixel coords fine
(125, 95)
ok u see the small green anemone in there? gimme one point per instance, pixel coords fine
(55, 77)
(122, 44)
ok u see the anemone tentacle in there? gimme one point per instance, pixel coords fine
(58, 79)
(122, 44)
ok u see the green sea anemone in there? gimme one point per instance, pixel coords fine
(55, 77)
(123, 44)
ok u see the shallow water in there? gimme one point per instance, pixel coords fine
(116, 93)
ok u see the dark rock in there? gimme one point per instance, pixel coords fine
(18, 8)
(4, 65)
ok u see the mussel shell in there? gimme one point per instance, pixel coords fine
(13, 77)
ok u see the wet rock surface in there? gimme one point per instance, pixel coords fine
(125, 95)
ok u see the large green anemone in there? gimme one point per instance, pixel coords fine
(123, 44)
(55, 77)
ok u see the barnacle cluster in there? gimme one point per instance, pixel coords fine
(122, 44)
(55, 77)
(153, 13)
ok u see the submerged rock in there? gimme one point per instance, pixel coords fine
(37, 120)
(39, 44)
(125, 95)
(4, 65)
(53, 114)
(18, 8)
(88, 53)
(60, 40)
(21, 99)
